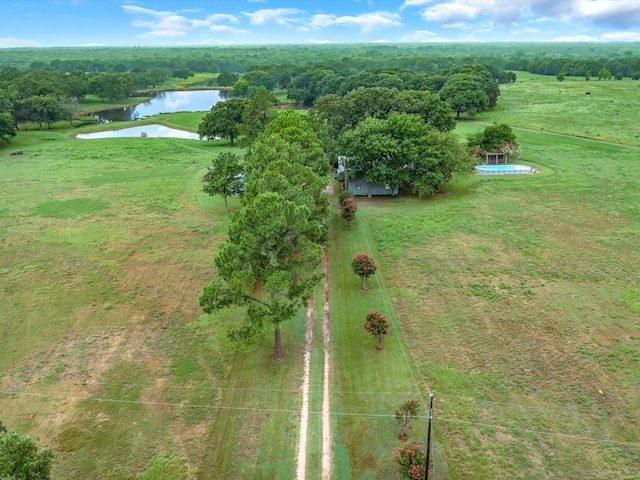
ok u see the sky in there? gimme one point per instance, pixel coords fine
(46, 23)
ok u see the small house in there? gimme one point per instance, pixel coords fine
(359, 186)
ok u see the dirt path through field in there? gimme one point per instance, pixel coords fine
(327, 457)
(304, 410)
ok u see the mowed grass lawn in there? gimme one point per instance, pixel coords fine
(519, 297)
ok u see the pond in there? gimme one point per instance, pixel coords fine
(166, 102)
(152, 130)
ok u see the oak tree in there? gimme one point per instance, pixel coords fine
(223, 120)
(20, 457)
(224, 177)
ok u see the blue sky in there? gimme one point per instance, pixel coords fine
(228, 22)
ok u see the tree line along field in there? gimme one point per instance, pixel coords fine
(540, 58)
(515, 300)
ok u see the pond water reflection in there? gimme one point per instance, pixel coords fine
(166, 102)
(152, 130)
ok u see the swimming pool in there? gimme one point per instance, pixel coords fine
(507, 169)
(153, 130)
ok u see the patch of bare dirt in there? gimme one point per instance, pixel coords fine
(301, 463)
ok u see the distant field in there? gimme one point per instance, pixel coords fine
(610, 112)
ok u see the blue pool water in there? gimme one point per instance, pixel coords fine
(503, 169)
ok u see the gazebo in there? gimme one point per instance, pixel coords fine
(495, 158)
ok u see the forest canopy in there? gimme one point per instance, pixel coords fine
(541, 58)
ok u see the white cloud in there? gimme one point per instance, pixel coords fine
(415, 3)
(163, 33)
(281, 16)
(460, 26)
(620, 37)
(322, 20)
(367, 21)
(145, 11)
(575, 38)
(10, 42)
(449, 13)
(221, 17)
(171, 25)
(422, 36)
(622, 13)
(230, 29)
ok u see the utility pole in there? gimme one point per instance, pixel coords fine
(426, 469)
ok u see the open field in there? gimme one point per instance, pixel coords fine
(516, 300)
(609, 113)
(105, 247)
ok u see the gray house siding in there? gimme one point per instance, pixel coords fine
(359, 186)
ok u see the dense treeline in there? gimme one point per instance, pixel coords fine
(541, 58)
(306, 86)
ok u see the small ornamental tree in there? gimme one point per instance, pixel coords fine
(477, 153)
(407, 412)
(512, 150)
(348, 210)
(343, 196)
(377, 326)
(364, 266)
(411, 461)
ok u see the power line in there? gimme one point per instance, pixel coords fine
(401, 394)
(315, 412)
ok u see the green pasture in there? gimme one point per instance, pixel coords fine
(514, 299)
(609, 112)
(106, 245)
(518, 300)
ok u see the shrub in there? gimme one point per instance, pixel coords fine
(348, 210)
(407, 411)
(511, 149)
(411, 461)
(345, 194)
